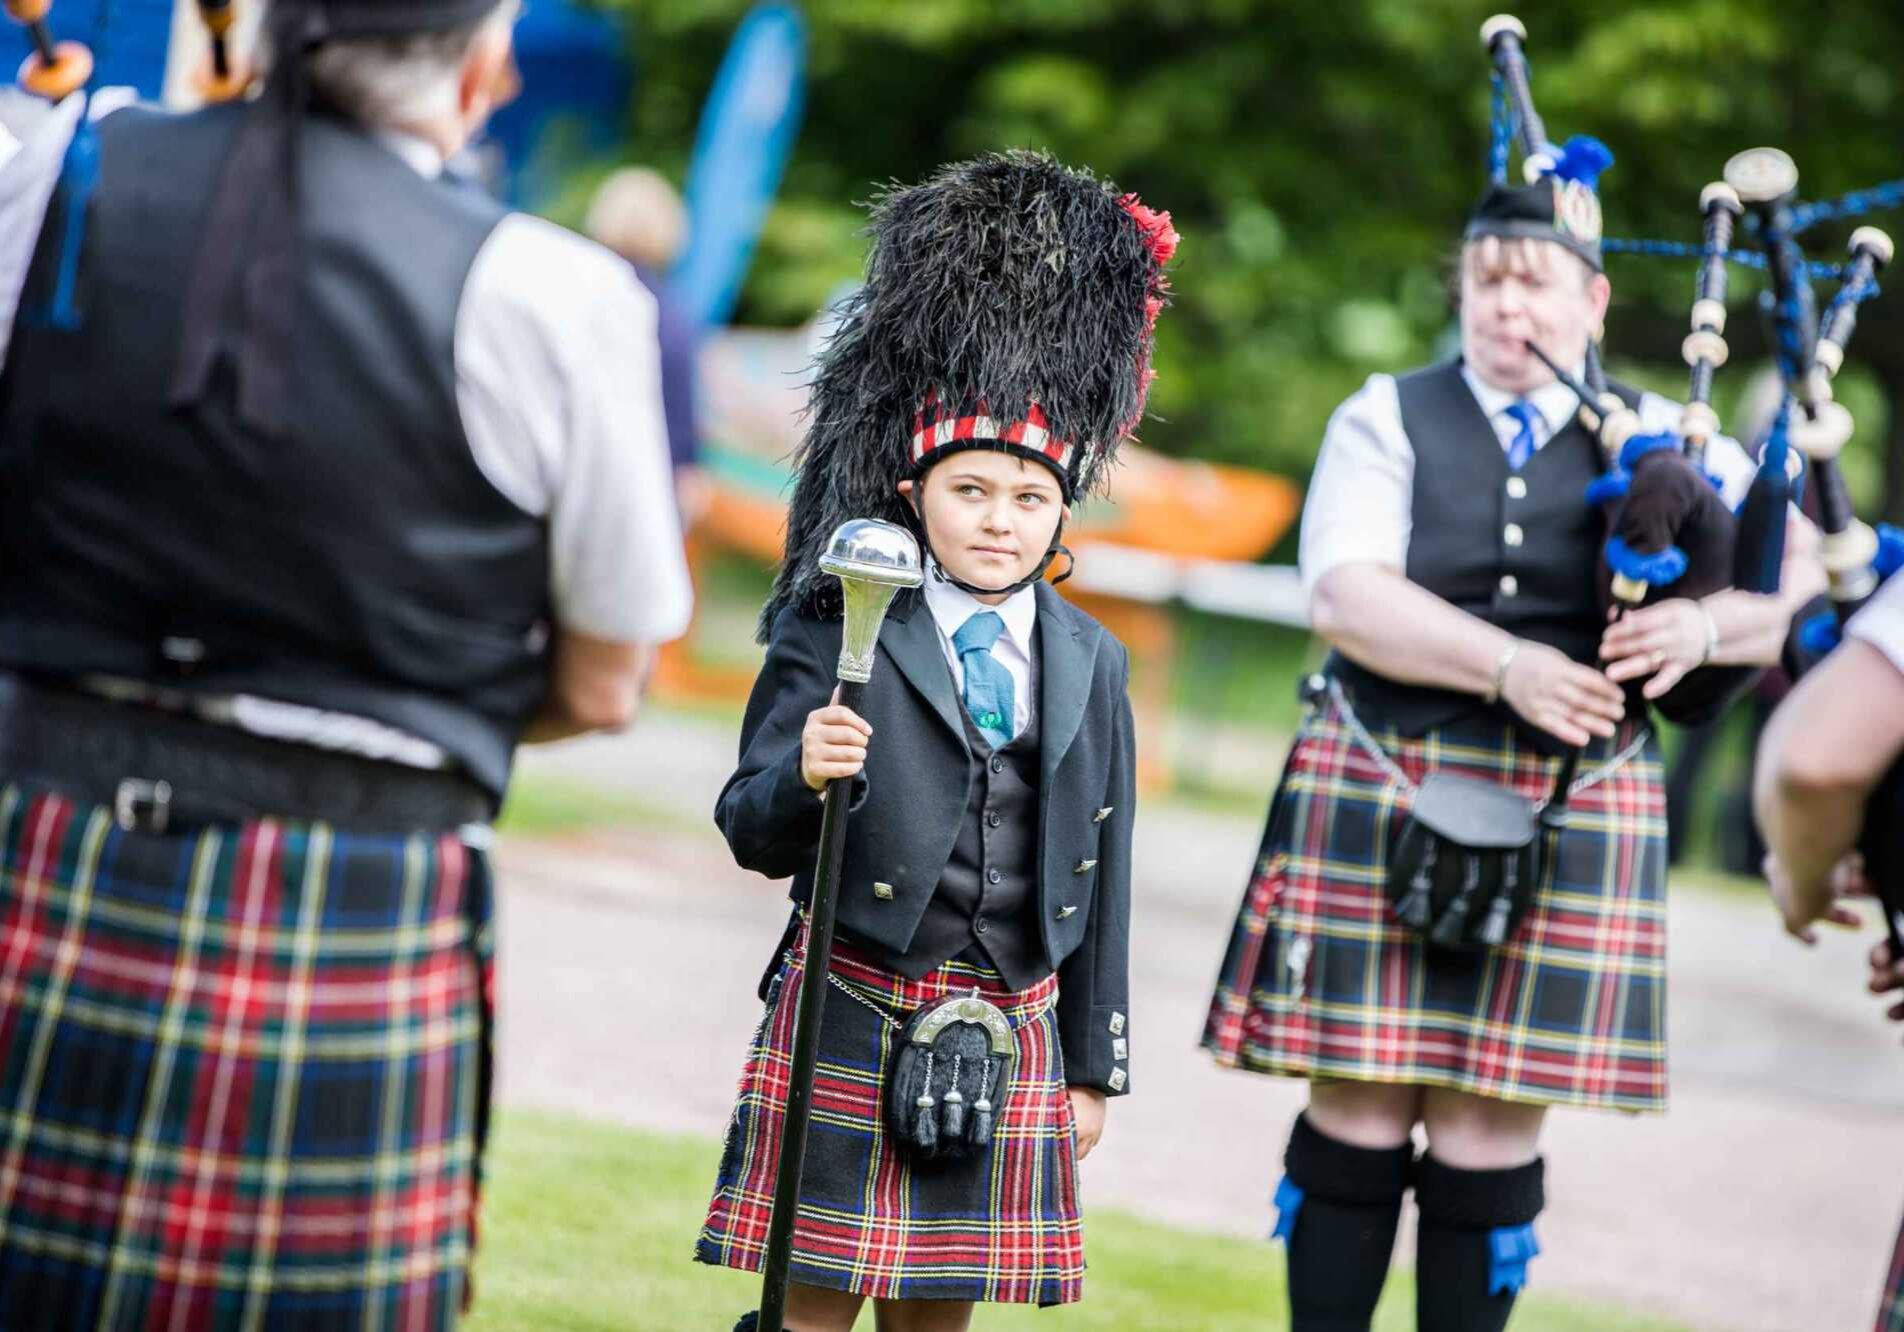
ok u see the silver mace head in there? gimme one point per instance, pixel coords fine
(872, 560)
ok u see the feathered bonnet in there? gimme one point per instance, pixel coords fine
(1010, 303)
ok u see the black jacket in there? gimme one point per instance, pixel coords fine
(909, 801)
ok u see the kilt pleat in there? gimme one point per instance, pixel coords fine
(1321, 981)
(241, 1073)
(1002, 1225)
(1891, 1308)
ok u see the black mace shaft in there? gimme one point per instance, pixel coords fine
(806, 1040)
(873, 560)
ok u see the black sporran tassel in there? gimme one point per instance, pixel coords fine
(954, 1126)
(925, 1124)
(982, 1107)
(1454, 921)
(1494, 928)
(1415, 905)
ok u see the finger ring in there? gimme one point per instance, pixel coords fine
(1659, 658)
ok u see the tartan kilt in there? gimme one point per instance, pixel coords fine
(242, 1073)
(1001, 1225)
(1321, 981)
(1891, 1307)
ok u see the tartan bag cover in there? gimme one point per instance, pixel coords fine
(1321, 981)
(242, 1074)
(1000, 1225)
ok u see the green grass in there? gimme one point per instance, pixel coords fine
(589, 1228)
(541, 803)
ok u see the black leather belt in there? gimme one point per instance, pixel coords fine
(157, 769)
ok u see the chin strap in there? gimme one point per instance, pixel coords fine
(917, 522)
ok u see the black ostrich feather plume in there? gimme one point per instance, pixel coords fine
(1005, 280)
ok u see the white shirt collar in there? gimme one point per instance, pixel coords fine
(420, 155)
(1554, 401)
(951, 607)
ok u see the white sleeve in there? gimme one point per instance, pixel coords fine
(558, 380)
(1881, 622)
(1361, 500)
(1726, 458)
(27, 177)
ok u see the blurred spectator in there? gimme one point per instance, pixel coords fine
(637, 214)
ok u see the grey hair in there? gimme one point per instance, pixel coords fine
(387, 82)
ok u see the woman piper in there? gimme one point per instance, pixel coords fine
(1450, 562)
(974, 389)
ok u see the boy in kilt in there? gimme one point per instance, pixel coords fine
(1451, 563)
(977, 386)
(1825, 750)
(271, 627)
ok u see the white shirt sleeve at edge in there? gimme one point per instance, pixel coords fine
(558, 376)
(1360, 505)
(1881, 622)
(1726, 458)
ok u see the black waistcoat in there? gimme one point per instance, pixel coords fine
(985, 908)
(1520, 550)
(359, 561)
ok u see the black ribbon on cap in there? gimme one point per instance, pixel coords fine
(247, 255)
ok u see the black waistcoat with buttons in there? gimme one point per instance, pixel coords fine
(985, 908)
(359, 561)
(1520, 550)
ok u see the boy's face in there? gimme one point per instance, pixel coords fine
(991, 514)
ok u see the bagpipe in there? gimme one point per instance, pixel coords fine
(1667, 526)
(1804, 447)
(55, 69)
(58, 69)
(1669, 532)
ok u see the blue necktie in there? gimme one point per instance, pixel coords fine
(988, 685)
(1521, 447)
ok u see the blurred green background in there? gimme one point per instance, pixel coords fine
(1319, 161)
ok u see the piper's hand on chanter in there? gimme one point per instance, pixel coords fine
(1556, 693)
(1803, 905)
(832, 744)
(1665, 641)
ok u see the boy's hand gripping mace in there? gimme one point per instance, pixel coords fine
(872, 560)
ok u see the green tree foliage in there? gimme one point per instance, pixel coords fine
(1318, 158)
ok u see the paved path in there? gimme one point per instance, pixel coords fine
(1765, 1201)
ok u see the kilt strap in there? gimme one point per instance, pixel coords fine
(1019, 1015)
(157, 769)
(1393, 770)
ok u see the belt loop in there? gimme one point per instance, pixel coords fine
(142, 806)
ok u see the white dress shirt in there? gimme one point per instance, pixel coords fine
(951, 607)
(558, 384)
(1881, 622)
(1361, 498)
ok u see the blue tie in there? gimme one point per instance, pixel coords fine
(1521, 447)
(988, 685)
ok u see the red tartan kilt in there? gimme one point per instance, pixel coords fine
(1322, 981)
(1000, 1226)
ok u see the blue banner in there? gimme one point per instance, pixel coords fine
(746, 135)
